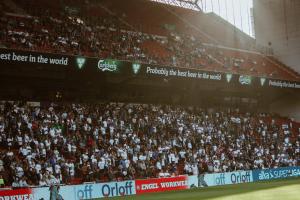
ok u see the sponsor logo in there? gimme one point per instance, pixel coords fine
(157, 71)
(161, 184)
(19, 197)
(220, 179)
(107, 65)
(228, 77)
(22, 194)
(283, 84)
(245, 80)
(264, 176)
(227, 178)
(240, 177)
(262, 81)
(85, 193)
(80, 62)
(117, 189)
(148, 186)
(88, 191)
(278, 173)
(136, 68)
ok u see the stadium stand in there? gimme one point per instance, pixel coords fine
(76, 143)
(95, 30)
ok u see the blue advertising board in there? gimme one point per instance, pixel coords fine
(113, 189)
(89, 191)
(227, 178)
(193, 181)
(283, 172)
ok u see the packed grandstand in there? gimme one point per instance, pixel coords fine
(71, 143)
(108, 142)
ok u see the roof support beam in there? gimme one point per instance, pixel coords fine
(190, 4)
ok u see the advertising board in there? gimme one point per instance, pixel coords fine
(227, 178)
(89, 191)
(17, 58)
(22, 194)
(161, 184)
(114, 189)
(268, 174)
(193, 181)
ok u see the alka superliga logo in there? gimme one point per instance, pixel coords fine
(80, 62)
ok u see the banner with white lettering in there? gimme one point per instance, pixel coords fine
(161, 184)
(181, 73)
(10, 58)
(226, 178)
(22, 194)
(88, 191)
(278, 173)
(33, 58)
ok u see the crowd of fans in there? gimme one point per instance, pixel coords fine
(69, 35)
(68, 32)
(73, 30)
(43, 145)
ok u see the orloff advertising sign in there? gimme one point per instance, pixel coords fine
(161, 184)
(89, 191)
(227, 178)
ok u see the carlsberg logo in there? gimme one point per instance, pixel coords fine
(136, 68)
(262, 81)
(245, 80)
(107, 65)
(80, 62)
(228, 77)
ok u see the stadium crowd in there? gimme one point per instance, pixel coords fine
(68, 32)
(78, 30)
(43, 145)
(89, 29)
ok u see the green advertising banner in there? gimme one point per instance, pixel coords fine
(16, 58)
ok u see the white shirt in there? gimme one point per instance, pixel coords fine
(101, 164)
(195, 169)
(158, 165)
(19, 171)
(38, 168)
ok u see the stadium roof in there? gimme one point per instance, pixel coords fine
(190, 4)
(237, 12)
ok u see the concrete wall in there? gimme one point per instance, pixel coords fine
(278, 22)
(288, 105)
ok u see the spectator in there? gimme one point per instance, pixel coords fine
(125, 141)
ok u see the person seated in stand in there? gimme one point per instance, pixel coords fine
(43, 182)
(163, 174)
(16, 183)
(23, 182)
(2, 183)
